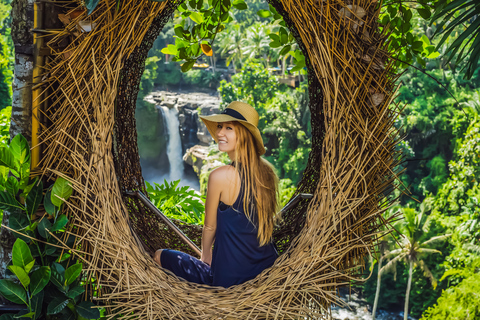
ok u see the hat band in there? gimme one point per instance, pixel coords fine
(233, 113)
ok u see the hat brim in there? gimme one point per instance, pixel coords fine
(211, 124)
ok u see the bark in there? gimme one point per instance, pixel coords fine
(409, 286)
(22, 22)
(377, 293)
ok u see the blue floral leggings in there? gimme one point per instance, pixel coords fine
(187, 267)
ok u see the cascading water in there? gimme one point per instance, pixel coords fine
(174, 144)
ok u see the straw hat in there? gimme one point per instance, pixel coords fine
(241, 112)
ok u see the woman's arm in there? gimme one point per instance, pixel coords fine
(214, 190)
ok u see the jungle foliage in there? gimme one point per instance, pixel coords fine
(49, 281)
(6, 55)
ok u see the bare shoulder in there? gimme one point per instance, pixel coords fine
(222, 174)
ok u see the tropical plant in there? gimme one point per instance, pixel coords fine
(182, 203)
(5, 115)
(6, 55)
(458, 302)
(230, 44)
(196, 32)
(34, 279)
(414, 247)
(49, 284)
(255, 44)
(451, 16)
(384, 244)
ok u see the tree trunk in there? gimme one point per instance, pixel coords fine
(377, 293)
(409, 286)
(22, 22)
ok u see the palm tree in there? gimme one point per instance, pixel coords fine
(414, 246)
(382, 250)
(230, 43)
(256, 42)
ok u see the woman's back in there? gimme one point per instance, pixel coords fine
(237, 254)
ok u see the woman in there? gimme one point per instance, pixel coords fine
(239, 209)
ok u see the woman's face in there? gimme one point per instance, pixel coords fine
(226, 137)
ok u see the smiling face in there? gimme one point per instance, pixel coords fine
(226, 137)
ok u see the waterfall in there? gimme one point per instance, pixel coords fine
(174, 144)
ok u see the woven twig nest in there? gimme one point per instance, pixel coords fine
(91, 140)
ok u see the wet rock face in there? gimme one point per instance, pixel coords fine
(189, 105)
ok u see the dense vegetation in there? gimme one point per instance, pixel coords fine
(439, 252)
(437, 265)
(6, 55)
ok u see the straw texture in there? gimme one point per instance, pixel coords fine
(89, 138)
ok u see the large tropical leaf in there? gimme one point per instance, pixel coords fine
(21, 255)
(13, 292)
(460, 15)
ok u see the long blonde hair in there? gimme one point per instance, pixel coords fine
(260, 183)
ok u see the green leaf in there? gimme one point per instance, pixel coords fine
(34, 198)
(179, 31)
(187, 65)
(424, 13)
(283, 35)
(385, 20)
(8, 160)
(274, 37)
(240, 5)
(296, 68)
(170, 49)
(58, 275)
(20, 273)
(75, 291)
(21, 255)
(12, 186)
(21, 152)
(274, 44)
(37, 304)
(285, 50)
(196, 17)
(27, 187)
(43, 227)
(50, 250)
(264, 13)
(72, 273)
(417, 44)
(433, 55)
(29, 266)
(409, 37)
(19, 221)
(85, 310)
(61, 191)
(407, 15)
(60, 223)
(40, 278)
(4, 171)
(13, 292)
(25, 315)
(47, 202)
(91, 5)
(7, 202)
(421, 62)
(57, 305)
(7, 316)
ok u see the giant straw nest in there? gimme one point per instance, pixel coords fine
(88, 136)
